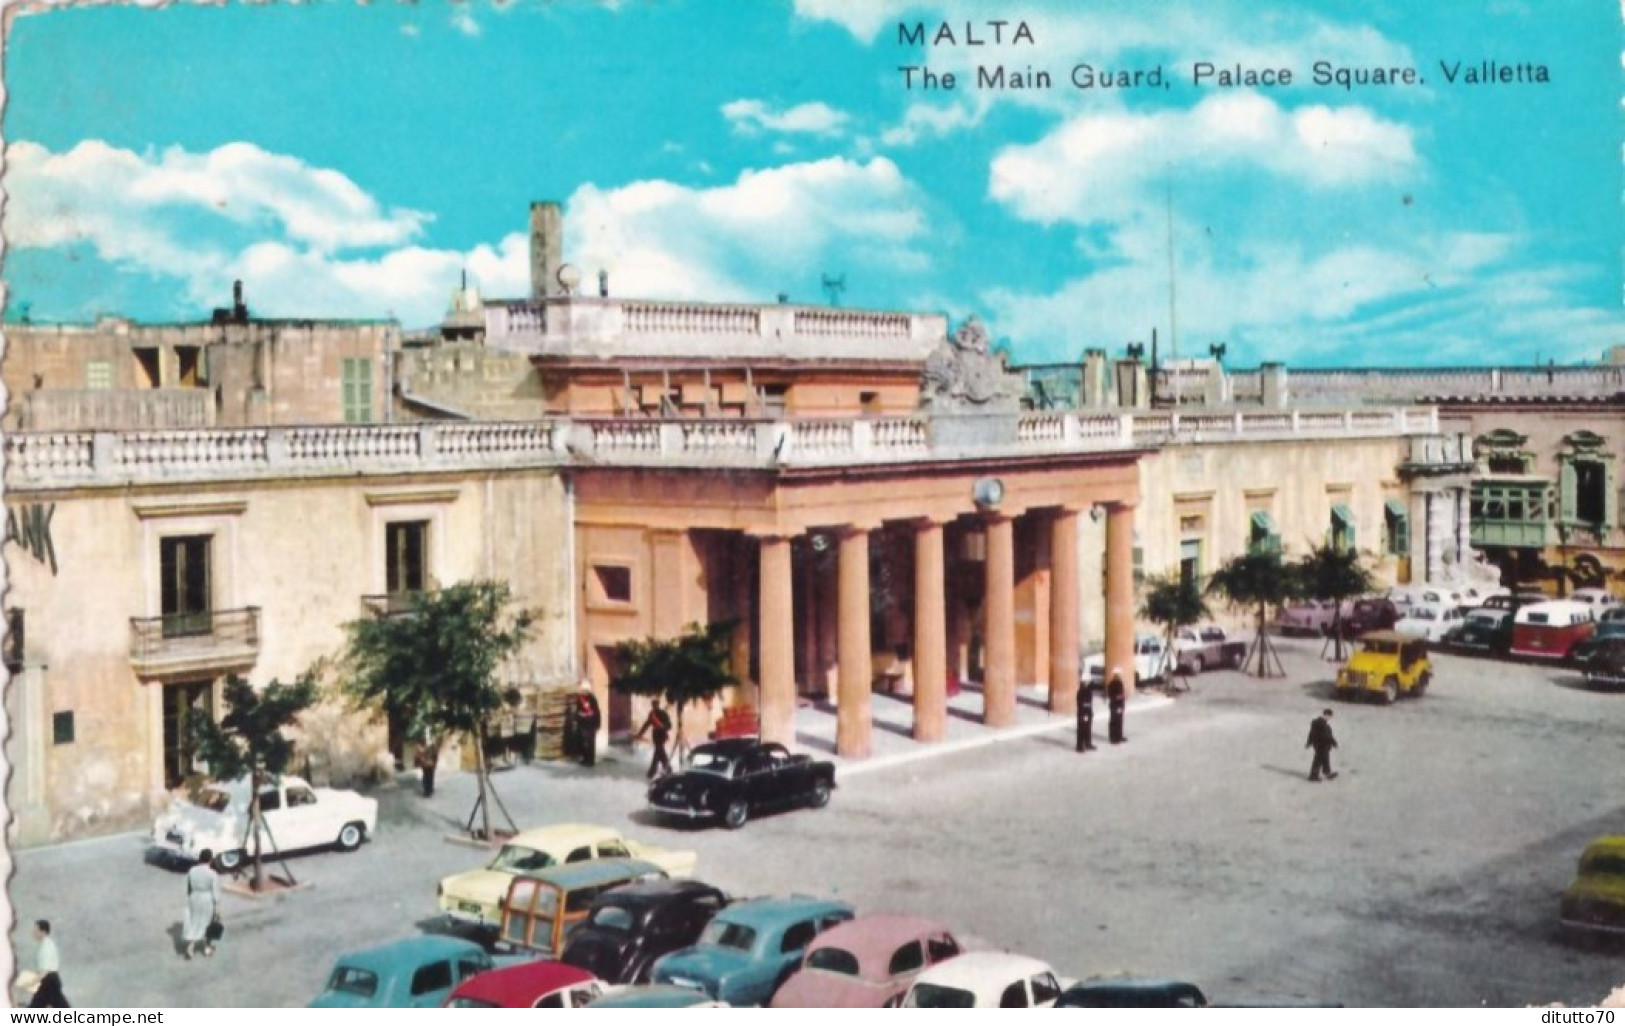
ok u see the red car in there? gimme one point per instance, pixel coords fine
(865, 962)
(544, 984)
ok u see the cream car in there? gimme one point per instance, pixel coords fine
(475, 898)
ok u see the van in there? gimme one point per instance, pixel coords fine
(1551, 630)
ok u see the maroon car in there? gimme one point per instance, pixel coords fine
(863, 963)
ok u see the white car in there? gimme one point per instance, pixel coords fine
(1150, 661)
(1602, 598)
(986, 979)
(1424, 620)
(296, 816)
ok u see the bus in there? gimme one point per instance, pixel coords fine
(1550, 630)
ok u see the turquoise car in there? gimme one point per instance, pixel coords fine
(750, 948)
(416, 973)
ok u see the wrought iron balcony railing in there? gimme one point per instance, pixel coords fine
(216, 639)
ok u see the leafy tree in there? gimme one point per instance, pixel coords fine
(1334, 575)
(1257, 580)
(249, 742)
(1173, 600)
(692, 667)
(433, 669)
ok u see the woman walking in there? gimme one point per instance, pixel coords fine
(202, 905)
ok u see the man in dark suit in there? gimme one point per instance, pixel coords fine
(588, 718)
(1322, 741)
(1086, 718)
(1116, 704)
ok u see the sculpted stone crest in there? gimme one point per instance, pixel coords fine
(963, 374)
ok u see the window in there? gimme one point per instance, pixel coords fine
(146, 368)
(357, 387)
(1342, 528)
(613, 850)
(550, 1001)
(182, 704)
(906, 959)
(1190, 561)
(834, 960)
(1014, 996)
(799, 936)
(184, 586)
(298, 796)
(1045, 988)
(430, 978)
(189, 366)
(405, 543)
(1590, 484)
(98, 375)
(62, 728)
(939, 948)
(467, 968)
(270, 801)
(614, 582)
(1262, 536)
(582, 854)
(1396, 523)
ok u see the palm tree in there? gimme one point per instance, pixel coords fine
(1334, 575)
(1173, 600)
(1257, 580)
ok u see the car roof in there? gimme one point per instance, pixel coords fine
(876, 936)
(1393, 636)
(560, 834)
(1554, 606)
(643, 893)
(732, 745)
(768, 912)
(1134, 984)
(1611, 845)
(658, 995)
(975, 968)
(597, 871)
(521, 984)
(411, 951)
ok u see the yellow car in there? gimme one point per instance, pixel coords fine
(1594, 903)
(475, 898)
(1388, 664)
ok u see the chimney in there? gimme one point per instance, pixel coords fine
(546, 250)
(1094, 379)
(1273, 384)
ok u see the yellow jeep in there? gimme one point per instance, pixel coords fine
(1388, 663)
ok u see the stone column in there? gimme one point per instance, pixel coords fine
(1120, 591)
(855, 676)
(1464, 534)
(1437, 528)
(777, 659)
(1063, 612)
(999, 678)
(930, 634)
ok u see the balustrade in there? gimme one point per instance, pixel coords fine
(690, 319)
(851, 324)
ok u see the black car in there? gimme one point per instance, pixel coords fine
(1482, 630)
(1369, 614)
(734, 779)
(631, 926)
(1585, 650)
(1132, 993)
(1604, 662)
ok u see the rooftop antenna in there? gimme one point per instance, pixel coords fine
(833, 287)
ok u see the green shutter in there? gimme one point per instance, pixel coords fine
(357, 390)
(1610, 494)
(1566, 488)
(1399, 534)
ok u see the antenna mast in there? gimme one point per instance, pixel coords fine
(833, 287)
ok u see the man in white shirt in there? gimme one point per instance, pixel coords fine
(49, 992)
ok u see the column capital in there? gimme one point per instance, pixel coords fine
(997, 516)
(856, 527)
(773, 533)
(1121, 505)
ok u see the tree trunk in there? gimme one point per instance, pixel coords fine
(255, 830)
(484, 782)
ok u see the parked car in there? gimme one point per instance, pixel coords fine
(1201, 646)
(1369, 614)
(1604, 662)
(474, 898)
(1403, 595)
(1514, 601)
(1150, 662)
(734, 779)
(1605, 629)
(1594, 904)
(657, 996)
(541, 909)
(1602, 598)
(1311, 616)
(985, 979)
(538, 984)
(629, 927)
(418, 972)
(1132, 993)
(1551, 630)
(296, 816)
(866, 962)
(750, 948)
(1429, 622)
(1482, 630)
(1387, 664)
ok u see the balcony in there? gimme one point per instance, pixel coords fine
(397, 603)
(213, 641)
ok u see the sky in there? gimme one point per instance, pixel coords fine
(353, 161)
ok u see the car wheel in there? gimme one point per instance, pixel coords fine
(1390, 691)
(1236, 659)
(229, 861)
(735, 815)
(1422, 683)
(1198, 664)
(820, 795)
(351, 836)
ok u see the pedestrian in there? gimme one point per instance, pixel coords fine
(427, 758)
(1116, 703)
(1086, 718)
(202, 906)
(588, 717)
(658, 725)
(48, 994)
(1322, 741)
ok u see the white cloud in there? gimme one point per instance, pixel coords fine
(752, 116)
(768, 231)
(462, 19)
(862, 18)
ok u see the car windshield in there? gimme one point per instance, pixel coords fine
(347, 979)
(612, 917)
(471, 1002)
(516, 858)
(1486, 619)
(833, 960)
(1382, 647)
(1423, 614)
(712, 762)
(929, 995)
(728, 935)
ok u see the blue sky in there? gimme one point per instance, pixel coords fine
(351, 161)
